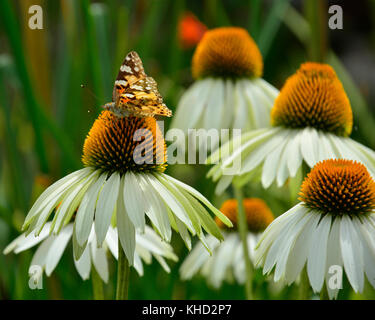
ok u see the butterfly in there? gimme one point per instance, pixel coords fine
(135, 93)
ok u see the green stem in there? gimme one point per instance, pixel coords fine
(255, 14)
(97, 285)
(123, 272)
(316, 14)
(242, 227)
(304, 286)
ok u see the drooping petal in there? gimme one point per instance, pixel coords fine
(86, 210)
(57, 248)
(317, 256)
(125, 228)
(106, 205)
(134, 202)
(83, 265)
(351, 252)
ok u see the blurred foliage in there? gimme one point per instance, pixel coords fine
(45, 114)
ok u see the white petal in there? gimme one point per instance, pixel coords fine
(112, 241)
(125, 228)
(23, 243)
(54, 191)
(295, 155)
(238, 263)
(192, 104)
(86, 210)
(41, 253)
(246, 148)
(226, 149)
(106, 205)
(343, 150)
(257, 156)
(286, 243)
(268, 89)
(229, 102)
(215, 106)
(326, 150)
(277, 241)
(71, 201)
(333, 255)
(274, 229)
(83, 265)
(37, 224)
(196, 258)
(99, 259)
(299, 252)
(223, 256)
(152, 242)
(317, 256)
(309, 146)
(184, 233)
(198, 196)
(175, 206)
(163, 264)
(270, 166)
(223, 184)
(366, 233)
(242, 118)
(144, 254)
(138, 265)
(351, 252)
(157, 212)
(259, 103)
(134, 200)
(57, 248)
(282, 170)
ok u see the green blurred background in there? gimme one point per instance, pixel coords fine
(45, 114)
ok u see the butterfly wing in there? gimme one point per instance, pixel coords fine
(145, 98)
(135, 92)
(130, 72)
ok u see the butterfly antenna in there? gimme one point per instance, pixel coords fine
(83, 86)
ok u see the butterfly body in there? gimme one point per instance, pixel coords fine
(135, 93)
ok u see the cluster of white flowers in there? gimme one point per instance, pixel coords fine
(109, 203)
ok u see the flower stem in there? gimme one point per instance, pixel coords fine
(316, 15)
(304, 286)
(97, 285)
(123, 272)
(242, 227)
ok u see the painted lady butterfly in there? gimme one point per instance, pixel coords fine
(135, 93)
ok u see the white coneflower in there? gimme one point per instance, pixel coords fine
(115, 186)
(312, 120)
(334, 225)
(123, 182)
(52, 247)
(227, 261)
(229, 91)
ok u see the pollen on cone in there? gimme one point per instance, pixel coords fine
(122, 144)
(258, 214)
(227, 52)
(315, 97)
(339, 187)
